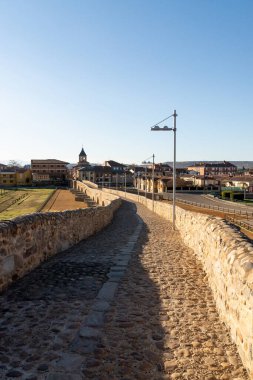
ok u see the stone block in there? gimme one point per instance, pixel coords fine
(95, 319)
(89, 332)
(107, 291)
(7, 265)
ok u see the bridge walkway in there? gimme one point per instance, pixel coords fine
(130, 303)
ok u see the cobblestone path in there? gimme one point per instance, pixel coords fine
(79, 316)
(41, 313)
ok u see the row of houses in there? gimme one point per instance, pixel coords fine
(193, 182)
(55, 172)
(41, 172)
(113, 174)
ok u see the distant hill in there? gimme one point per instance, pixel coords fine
(239, 164)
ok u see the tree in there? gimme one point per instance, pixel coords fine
(14, 164)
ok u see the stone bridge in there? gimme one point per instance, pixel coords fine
(132, 299)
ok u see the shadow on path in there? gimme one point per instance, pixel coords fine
(42, 312)
(132, 342)
(163, 323)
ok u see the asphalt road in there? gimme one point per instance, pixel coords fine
(215, 203)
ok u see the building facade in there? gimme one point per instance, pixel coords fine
(49, 171)
(19, 177)
(8, 178)
(214, 169)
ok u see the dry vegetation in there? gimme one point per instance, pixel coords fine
(18, 202)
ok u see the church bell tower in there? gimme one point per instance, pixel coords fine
(82, 158)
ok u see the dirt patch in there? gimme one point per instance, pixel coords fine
(63, 200)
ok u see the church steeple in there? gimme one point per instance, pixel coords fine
(82, 157)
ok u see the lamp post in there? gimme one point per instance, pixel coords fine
(146, 181)
(244, 190)
(116, 181)
(125, 184)
(156, 128)
(153, 182)
(138, 185)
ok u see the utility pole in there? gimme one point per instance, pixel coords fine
(146, 180)
(153, 181)
(156, 128)
(125, 184)
(174, 170)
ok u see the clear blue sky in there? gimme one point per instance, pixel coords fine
(99, 73)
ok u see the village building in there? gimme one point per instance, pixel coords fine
(49, 172)
(213, 169)
(115, 166)
(23, 177)
(243, 183)
(98, 174)
(8, 178)
(15, 177)
(145, 182)
(206, 182)
(165, 184)
(248, 172)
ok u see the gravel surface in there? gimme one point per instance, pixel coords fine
(163, 323)
(83, 315)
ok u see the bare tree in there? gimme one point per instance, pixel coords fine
(14, 164)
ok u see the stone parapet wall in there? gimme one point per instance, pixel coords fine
(100, 197)
(28, 240)
(227, 258)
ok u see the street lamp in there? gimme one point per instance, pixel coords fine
(153, 177)
(117, 181)
(138, 185)
(146, 181)
(156, 128)
(244, 186)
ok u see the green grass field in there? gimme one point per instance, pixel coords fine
(15, 203)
